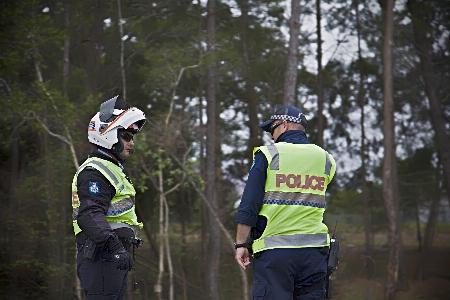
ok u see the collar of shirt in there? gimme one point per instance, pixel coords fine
(102, 153)
(293, 137)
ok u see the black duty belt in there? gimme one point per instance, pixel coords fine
(309, 289)
(125, 234)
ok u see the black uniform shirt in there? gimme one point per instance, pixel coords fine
(95, 193)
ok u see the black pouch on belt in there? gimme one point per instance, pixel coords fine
(89, 250)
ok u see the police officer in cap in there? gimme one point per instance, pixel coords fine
(104, 217)
(282, 208)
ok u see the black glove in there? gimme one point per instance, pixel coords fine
(119, 255)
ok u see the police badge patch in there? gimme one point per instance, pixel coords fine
(94, 188)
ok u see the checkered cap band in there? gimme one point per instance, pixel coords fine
(288, 118)
(288, 113)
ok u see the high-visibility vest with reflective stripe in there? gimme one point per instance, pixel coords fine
(122, 209)
(294, 199)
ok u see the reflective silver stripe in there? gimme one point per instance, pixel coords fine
(295, 240)
(120, 206)
(106, 170)
(328, 164)
(116, 225)
(289, 198)
(114, 208)
(82, 167)
(275, 164)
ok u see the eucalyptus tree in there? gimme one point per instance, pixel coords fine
(361, 100)
(390, 188)
(158, 63)
(176, 42)
(290, 75)
(42, 108)
(211, 275)
(320, 100)
(66, 52)
(252, 77)
(54, 102)
(249, 78)
(354, 103)
(430, 28)
(430, 24)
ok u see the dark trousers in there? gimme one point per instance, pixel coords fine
(278, 271)
(99, 278)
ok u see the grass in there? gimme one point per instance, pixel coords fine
(351, 283)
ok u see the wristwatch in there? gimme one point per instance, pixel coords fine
(239, 245)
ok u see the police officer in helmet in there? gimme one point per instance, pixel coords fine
(281, 212)
(104, 217)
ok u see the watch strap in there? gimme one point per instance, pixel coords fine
(236, 245)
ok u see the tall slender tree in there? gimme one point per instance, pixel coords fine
(254, 139)
(211, 274)
(122, 49)
(361, 101)
(422, 13)
(290, 75)
(66, 52)
(389, 172)
(320, 100)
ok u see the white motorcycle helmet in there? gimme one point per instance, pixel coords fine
(103, 129)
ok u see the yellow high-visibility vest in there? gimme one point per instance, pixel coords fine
(121, 212)
(294, 199)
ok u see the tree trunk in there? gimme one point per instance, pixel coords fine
(184, 249)
(168, 251)
(421, 269)
(369, 262)
(419, 231)
(202, 134)
(424, 48)
(14, 175)
(65, 75)
(213, 254)
(93, 61)
(147, 232)
(53, 253)
(320, 119)
(164, 241)
(122, 50)
(219, 223)
(158, 286)
(66, 47)
(252, 101)
(389, 163)
(290, 76)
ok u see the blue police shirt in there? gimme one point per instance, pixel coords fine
(253, 195)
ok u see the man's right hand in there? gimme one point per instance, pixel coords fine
(242, 257)
(122, 259)
(119, 256)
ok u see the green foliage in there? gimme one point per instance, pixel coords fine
(346, 201)
(161, 38)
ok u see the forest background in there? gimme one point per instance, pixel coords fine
(371, 76)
